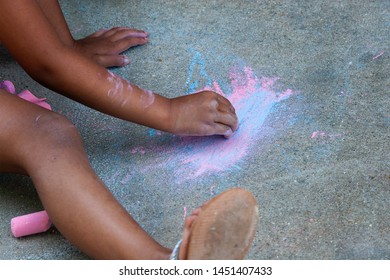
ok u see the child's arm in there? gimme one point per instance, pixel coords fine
(30, 38)
(103, 46)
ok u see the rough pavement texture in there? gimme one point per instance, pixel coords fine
(312, 86)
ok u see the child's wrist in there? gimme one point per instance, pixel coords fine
(168, 120)
(173, 114)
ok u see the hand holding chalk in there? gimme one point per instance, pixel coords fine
(203, 113)
(30, 224)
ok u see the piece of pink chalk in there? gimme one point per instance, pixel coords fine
(8, 86)
(30, 224)
(28, 96)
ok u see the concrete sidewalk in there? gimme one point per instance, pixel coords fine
(310, 81)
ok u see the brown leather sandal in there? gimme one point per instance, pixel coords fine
(224, 228)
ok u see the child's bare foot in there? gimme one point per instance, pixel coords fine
(223, 228)
(105, 46)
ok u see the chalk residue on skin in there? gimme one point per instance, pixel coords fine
(147, 98)
(117, 85)
(37, 119)
(120, 90)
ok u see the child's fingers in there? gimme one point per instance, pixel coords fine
(226, 113)
(221, 129)
(120, 46)
(112, 60)
(126, 43)
(119, 33)
(226, 107)
(121, 40)
(228, 120)
(106, 45)
(98, 33)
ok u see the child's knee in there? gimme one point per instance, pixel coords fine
(55, 131)
(36, 139)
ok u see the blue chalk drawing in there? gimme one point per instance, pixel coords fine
(197, 62)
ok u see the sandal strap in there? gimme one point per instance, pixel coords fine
(175, 252)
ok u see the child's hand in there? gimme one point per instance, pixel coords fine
(105, 46)
(202, 114)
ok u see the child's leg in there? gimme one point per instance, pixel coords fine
(48, 148)
(104, 46)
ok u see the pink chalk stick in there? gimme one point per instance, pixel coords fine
(8, 86)
(25, 94)
(30, 224)
(28, 96)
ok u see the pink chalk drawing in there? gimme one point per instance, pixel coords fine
(253, 99)
(324, 136)
(379, 55)
(140, 150)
